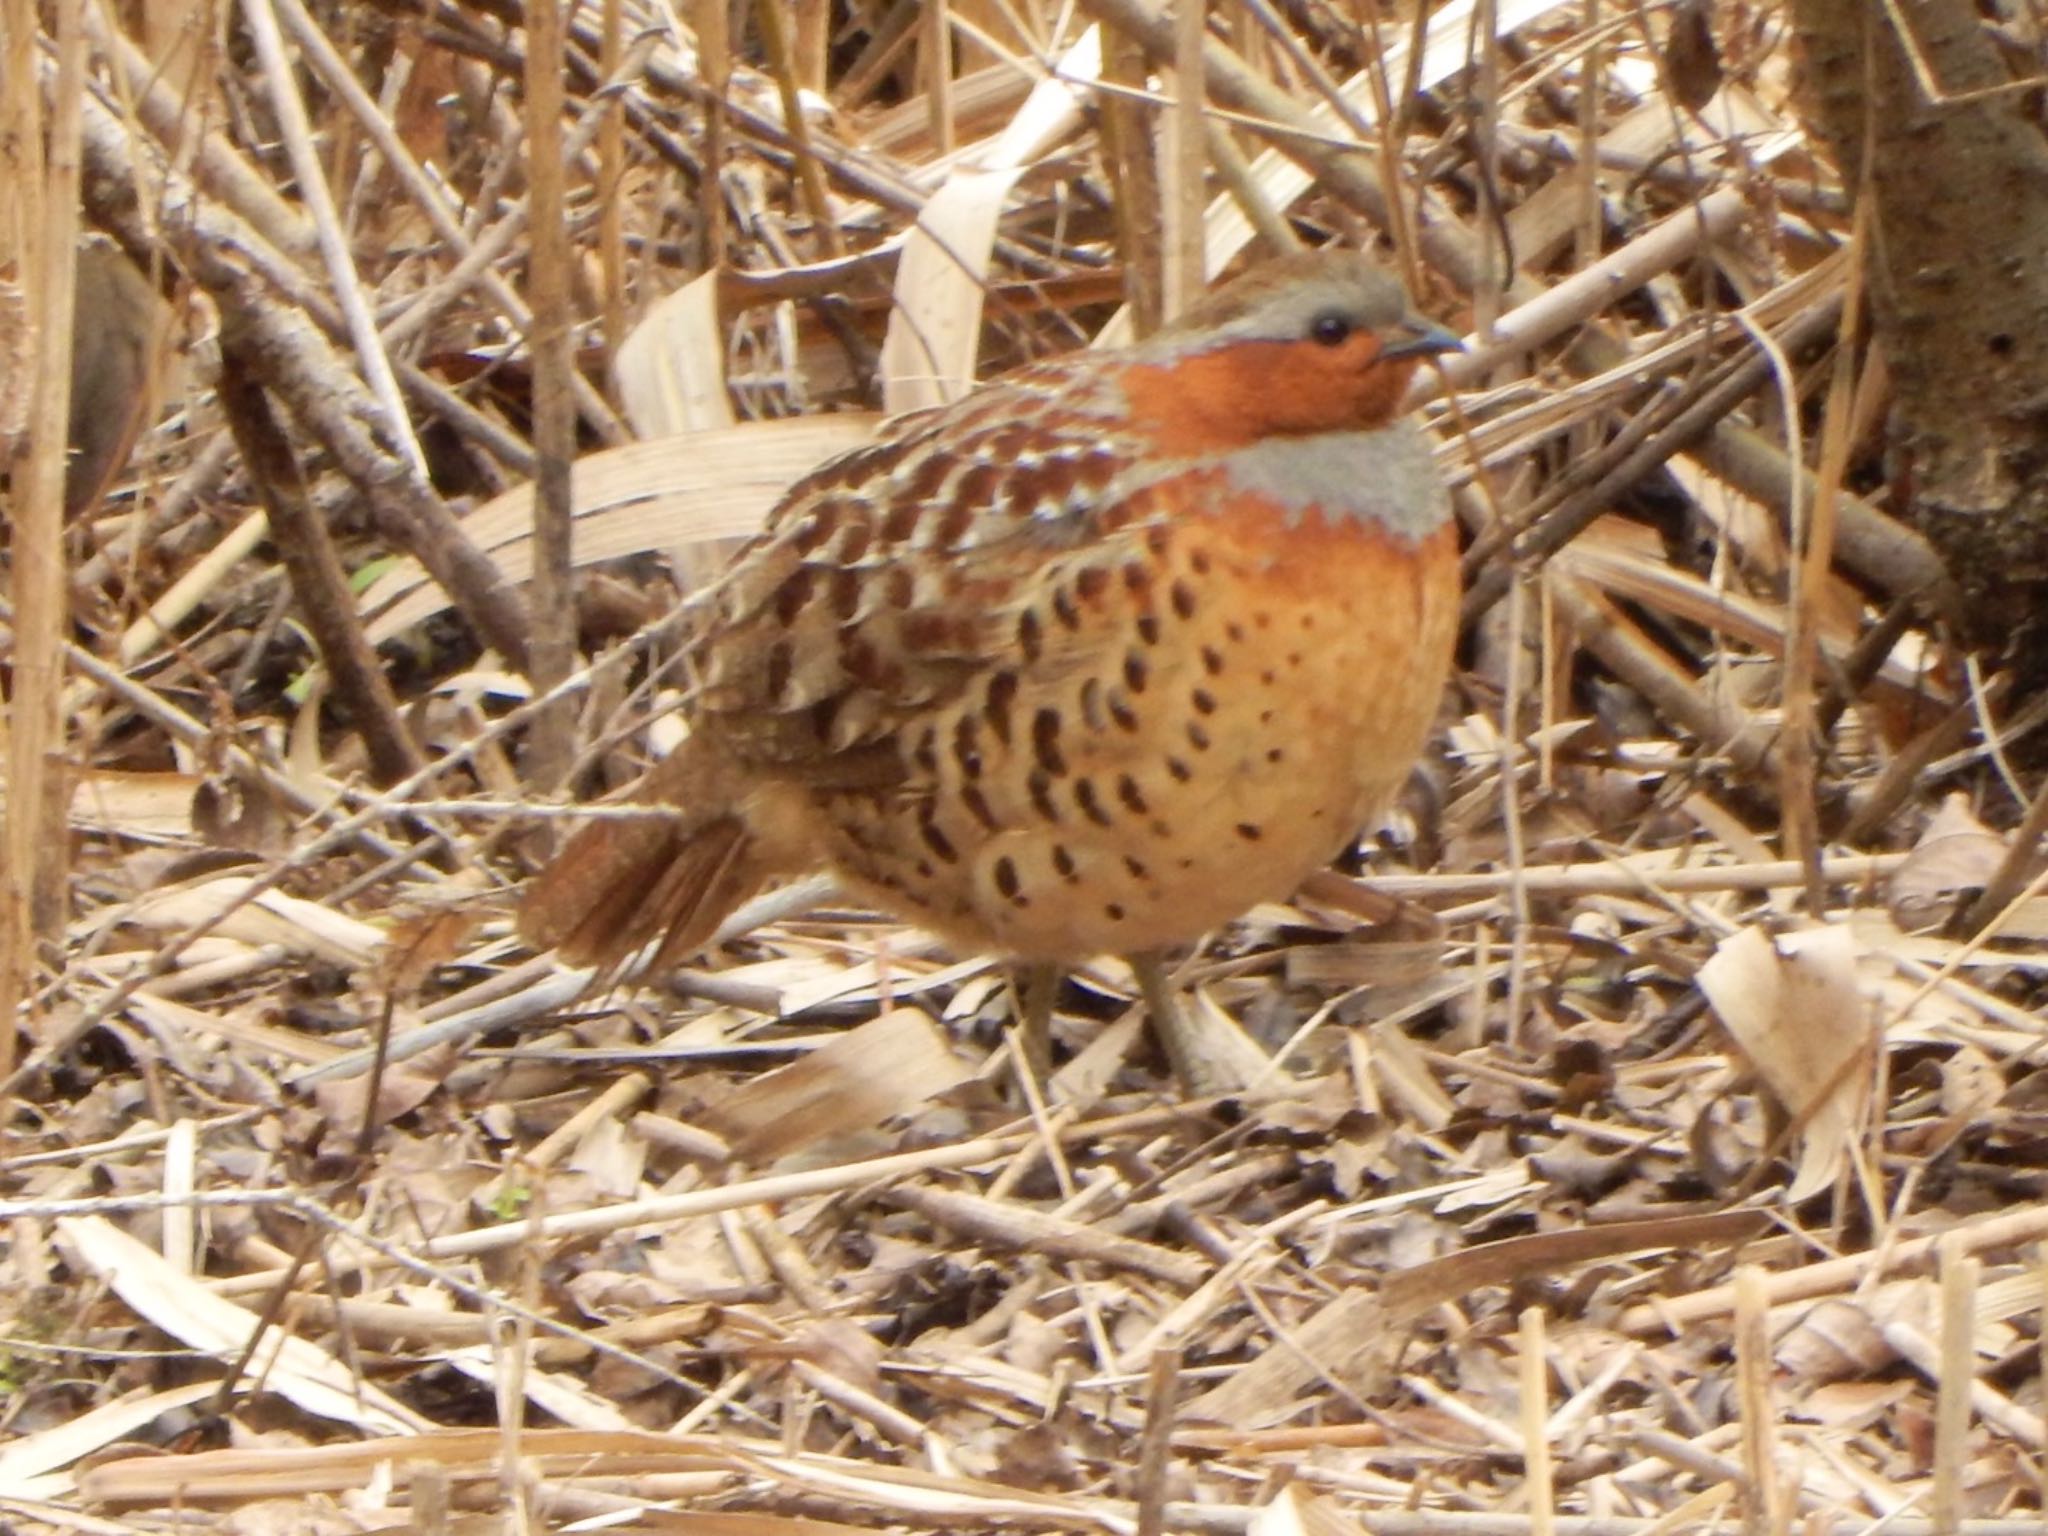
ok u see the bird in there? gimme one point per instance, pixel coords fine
(1089, 661)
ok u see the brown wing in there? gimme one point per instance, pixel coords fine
(893, 577)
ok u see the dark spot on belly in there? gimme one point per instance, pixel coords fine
(1137, 576)
(977, 805)
(925, 870)
(1128, 792)
(1091, 705)
(1005, 875)
(1039, 784)
(966, 748)
(1234, 632)
(1045, 741)
(1308, 622)
(1121, 712)
(1275, 755)
(1294, 658)
(1137, 868)
(1148, 628)
(1180, 771)
(1212, 660)
(938, 842)
(1204, 701)
(1114, 911)
(1091, 806)
(1002, 692)
(1183, 598)
(1269, 677)
(1135, 672)
(1091, 583)
(1262, 621)
(1250, 831)
(1198, 561)
(1063, 608)
(1197, 737)
(1030, 635)
(1063, 861)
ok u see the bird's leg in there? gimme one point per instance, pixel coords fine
(1176, 1035)
(1036, 986)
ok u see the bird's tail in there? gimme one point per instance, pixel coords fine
(622, 883)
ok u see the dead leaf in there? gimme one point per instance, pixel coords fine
(187, 1310)
(1971, 1085)
(1955, 854)
(670, 369)
(857, 1080)
(1348, 1341)
(1796, 1008)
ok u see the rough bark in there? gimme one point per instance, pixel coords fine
(1959, 285)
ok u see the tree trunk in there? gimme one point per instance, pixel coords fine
(1959, 285)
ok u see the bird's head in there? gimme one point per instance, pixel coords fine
(1320, 341)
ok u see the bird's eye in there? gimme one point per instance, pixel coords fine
(1330, 330)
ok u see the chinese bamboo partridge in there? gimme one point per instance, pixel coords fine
(1089, 661)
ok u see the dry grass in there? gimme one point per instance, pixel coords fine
(1666, 1158)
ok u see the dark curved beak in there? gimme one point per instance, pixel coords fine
(1419, 338)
